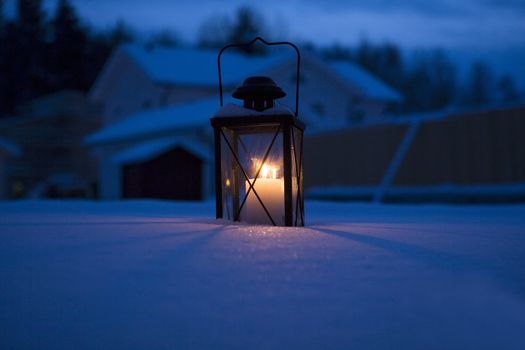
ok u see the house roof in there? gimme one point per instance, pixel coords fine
(180, 117)
(369, 85)
(9, 148)
(147, 150)
(197, 67)
(187, 116)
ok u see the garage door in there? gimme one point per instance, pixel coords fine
(175, 174)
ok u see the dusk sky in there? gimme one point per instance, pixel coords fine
(491, 29)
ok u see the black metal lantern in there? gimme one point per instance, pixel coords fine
(258, 153)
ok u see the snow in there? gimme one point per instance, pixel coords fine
(150, 149)
(198, 67)
(443, 191)
(188, 116)
(367, 83)
(166, 275)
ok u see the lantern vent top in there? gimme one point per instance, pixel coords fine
(258, 93)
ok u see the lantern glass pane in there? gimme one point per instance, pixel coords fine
(253, 156)
(297, 177)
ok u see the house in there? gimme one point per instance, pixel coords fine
(54, 162)
(7, 150)
(156, 104)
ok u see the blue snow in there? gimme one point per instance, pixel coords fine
(167, 275)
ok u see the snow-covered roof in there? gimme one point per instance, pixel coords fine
(198, 67)
(190, 66)
(150, 149)
(180, 117)
(369, 85)
(10, 148)
(187, 116)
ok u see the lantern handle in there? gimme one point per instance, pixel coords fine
(269, 44)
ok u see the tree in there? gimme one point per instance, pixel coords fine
(1, 15)
(338, 52)
(416, 85)
(507, 89)
(247, 25)
(23, 55)
(214, 32)
(218, 31)
(120, 34)
(443, 80)
(430, 83)
(68, 49)
(165, 38)
(479, 85)
(385, 61)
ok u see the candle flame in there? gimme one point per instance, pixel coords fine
(268, 171)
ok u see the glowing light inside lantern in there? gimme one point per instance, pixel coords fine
(270, 189)
(268, 171)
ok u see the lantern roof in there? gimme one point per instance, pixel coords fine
(258, 86)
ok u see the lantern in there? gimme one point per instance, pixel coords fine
(258, 153)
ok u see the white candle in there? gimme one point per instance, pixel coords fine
(271, 193)
(270, 189)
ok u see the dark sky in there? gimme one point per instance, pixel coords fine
(491, 29)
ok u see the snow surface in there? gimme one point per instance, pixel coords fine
(166, 275)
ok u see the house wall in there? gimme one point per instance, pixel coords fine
(323, 93)
(123, 89)
(170, 95)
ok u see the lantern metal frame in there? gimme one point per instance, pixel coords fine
(287, 124)
(274, 43)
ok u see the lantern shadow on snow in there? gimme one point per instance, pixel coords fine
(258, 154)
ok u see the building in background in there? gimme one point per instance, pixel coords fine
(156, 103)
(54, 161)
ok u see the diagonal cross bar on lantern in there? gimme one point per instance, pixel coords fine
(258, 154)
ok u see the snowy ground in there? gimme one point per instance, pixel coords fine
(161, 275)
